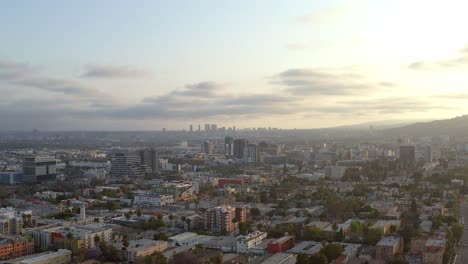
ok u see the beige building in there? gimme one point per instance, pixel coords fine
(141, 248)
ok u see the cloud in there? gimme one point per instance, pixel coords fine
(297, 46)
(376, 106)
(310, 82)
(453, 96)
(459, 61)
(419, 65)
(110, 71)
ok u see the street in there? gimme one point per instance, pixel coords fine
(462, 252)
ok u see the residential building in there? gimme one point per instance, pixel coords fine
(15, 246)
(245, 243)
(241, 214)
(220, 219)
(281, 244)
(153, 199)
(143, 247)
(388, 247)
(62, 256)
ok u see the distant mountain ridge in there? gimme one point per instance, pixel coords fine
(455, 127)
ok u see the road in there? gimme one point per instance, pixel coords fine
(462, 252)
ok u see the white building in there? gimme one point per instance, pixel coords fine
(245, 243)
(153, 199)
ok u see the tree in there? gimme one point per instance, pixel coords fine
(96, 239)
(372, 236)
(318, 258)
(254, 212)
(138, 212)
(356, 227)
(457, 231)
(161, 236)
(303, 258)
(335, 227)
(332, 251)
(313, 233)
(125, 242)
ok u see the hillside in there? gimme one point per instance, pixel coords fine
(455, 127)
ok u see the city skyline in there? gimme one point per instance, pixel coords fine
(153, 64)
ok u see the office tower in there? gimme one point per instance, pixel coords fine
(38, 168)
(207, 127)
(191, 128)
(252, 154)
(428, 153)
(228, 147)
(149, 158)
(219, 219)
(240, 148)
(207, 147)
(126, 165)
(199, 128)
(234, 128)
(214, 127)
(424, 153)
(407, 155)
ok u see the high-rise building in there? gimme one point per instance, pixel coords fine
(149, 158)
(191, 128)
(220, 219)
(127, 165)
(228, 147)
(214, 127)
(207, 147)
(199, 128)
(38, 168)
(207, 127)
(241, 214)
(424, 153)
(240, 148)
(252, 154)
(407, 155)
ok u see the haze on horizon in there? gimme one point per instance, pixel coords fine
(145, 65)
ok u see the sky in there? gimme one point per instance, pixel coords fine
(145, 65)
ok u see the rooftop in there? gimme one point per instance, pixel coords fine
(389, 241)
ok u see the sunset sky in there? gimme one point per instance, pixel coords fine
(144, 65)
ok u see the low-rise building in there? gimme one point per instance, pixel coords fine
(14, 247)
(245, 243)
(281, 244)
(141, 248)
(153, 199)
(388, 247)
(62, 256)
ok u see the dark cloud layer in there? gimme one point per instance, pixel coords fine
(309, 82)
(69, 102)
(109, 71)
